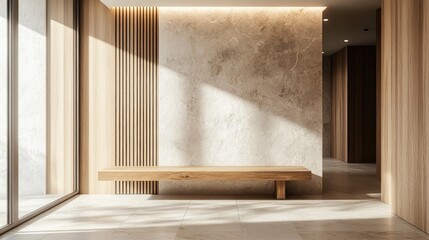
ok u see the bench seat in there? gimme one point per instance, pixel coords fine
(279, 174)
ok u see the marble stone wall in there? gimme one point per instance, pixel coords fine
(327, 106)
(240, 86)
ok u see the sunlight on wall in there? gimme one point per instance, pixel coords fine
(240, 87)
(101, 109)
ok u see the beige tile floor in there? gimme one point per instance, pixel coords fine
(350, 208)
(27, 204)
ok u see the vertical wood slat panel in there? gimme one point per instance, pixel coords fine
(136, 93)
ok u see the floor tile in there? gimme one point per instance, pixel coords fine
(146, 233)
(210, 232)
(361, 235)
(272, 231)
(350, 208)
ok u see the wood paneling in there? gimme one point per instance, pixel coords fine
(404, 108)
(136, 95)
(97, 95)
(425, 98)
(339, 105)
(354, 104)
(60, 97)
(387, 55)
(361, 104)
(378, 96)
(119, 94)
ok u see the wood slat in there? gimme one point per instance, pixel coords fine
(136, 34)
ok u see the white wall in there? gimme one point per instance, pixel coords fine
(240, 86)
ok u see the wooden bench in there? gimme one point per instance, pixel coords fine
(279, 174)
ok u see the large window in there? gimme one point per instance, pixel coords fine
(32, 127)
(38, 96)
(3, 113)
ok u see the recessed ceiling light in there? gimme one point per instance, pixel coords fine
(346, 40)
(323, 52)
(326, 20)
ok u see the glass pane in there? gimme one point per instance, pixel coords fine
(3, 112)
(32, 105)
(45, 102)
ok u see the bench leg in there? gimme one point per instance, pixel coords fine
(281, 190)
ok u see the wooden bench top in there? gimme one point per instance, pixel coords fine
(279, 173)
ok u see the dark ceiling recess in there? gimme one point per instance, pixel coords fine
(346, 21)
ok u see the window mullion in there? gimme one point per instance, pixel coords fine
(12, 111)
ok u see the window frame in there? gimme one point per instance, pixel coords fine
(13, 219)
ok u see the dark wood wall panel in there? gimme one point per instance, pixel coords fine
(354, 104)
(378, 96)
(136, 93)
(361, 127)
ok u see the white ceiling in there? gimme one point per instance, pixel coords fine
(347, 18)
